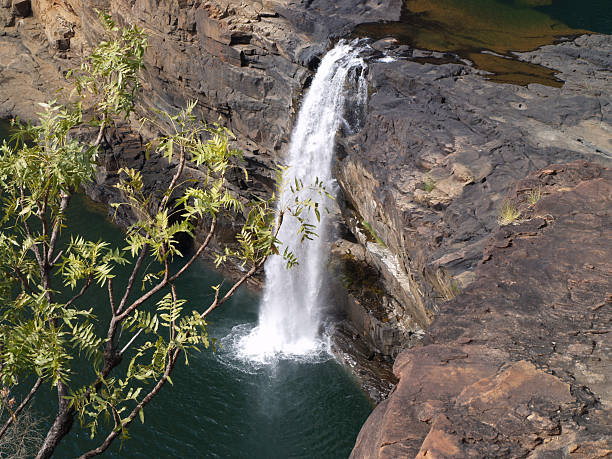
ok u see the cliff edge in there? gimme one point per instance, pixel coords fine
(520, 363)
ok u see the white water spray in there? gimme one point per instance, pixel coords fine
(290, 313)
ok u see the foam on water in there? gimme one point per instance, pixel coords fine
(232, 352)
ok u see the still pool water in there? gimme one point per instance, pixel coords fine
(468, 27)
(220, 406)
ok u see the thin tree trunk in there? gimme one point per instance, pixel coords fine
(61, 425)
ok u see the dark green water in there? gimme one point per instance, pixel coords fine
(468, 27)
(593, 15)
(221, 407)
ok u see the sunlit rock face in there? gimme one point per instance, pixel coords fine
(245, 62)
(518, 365)
(440, 150)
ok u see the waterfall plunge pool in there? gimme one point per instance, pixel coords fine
(221, 406)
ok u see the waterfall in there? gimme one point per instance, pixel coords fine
(294, 299)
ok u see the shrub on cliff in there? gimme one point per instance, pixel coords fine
(44, 326)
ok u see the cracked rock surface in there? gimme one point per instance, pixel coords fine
(442, 146)
(520, 363)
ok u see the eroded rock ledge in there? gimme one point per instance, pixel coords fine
(519, 364)
(440, 149)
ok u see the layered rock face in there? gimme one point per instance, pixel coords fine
(246, 63)
(519, 364)
(440, 149)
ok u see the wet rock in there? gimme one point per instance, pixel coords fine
(517, 365)
(372, 369)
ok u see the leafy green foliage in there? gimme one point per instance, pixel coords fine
(110, 74)
(86, 260)
(41, 338)
(429, 184)
(533, 196)
(45, 323)
(371, 234)
(35, 175)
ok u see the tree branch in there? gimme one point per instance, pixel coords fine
(57, 257)
(216, 303)
(24, 281)
(164, 282)
(111, 296)
(174, 298)
(172, 358)
(175, 178)
(20, 408)
(56, 227)
(130, 342)
(61, 425)
(127, 421)
(80, 294)
(120, 317)
(42, 215)
(198, 252)
(98, 140)
(130, 285)
(34, 247)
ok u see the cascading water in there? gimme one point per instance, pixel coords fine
(290, 313)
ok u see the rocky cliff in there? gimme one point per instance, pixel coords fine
(246, 63)
(519, 364)
(441, 146)
(423, 182)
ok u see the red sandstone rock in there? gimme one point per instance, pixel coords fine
(519, 364)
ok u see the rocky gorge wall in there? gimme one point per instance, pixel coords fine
(422, 182)
(440, 150)
(519, 364)
(246, 63)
